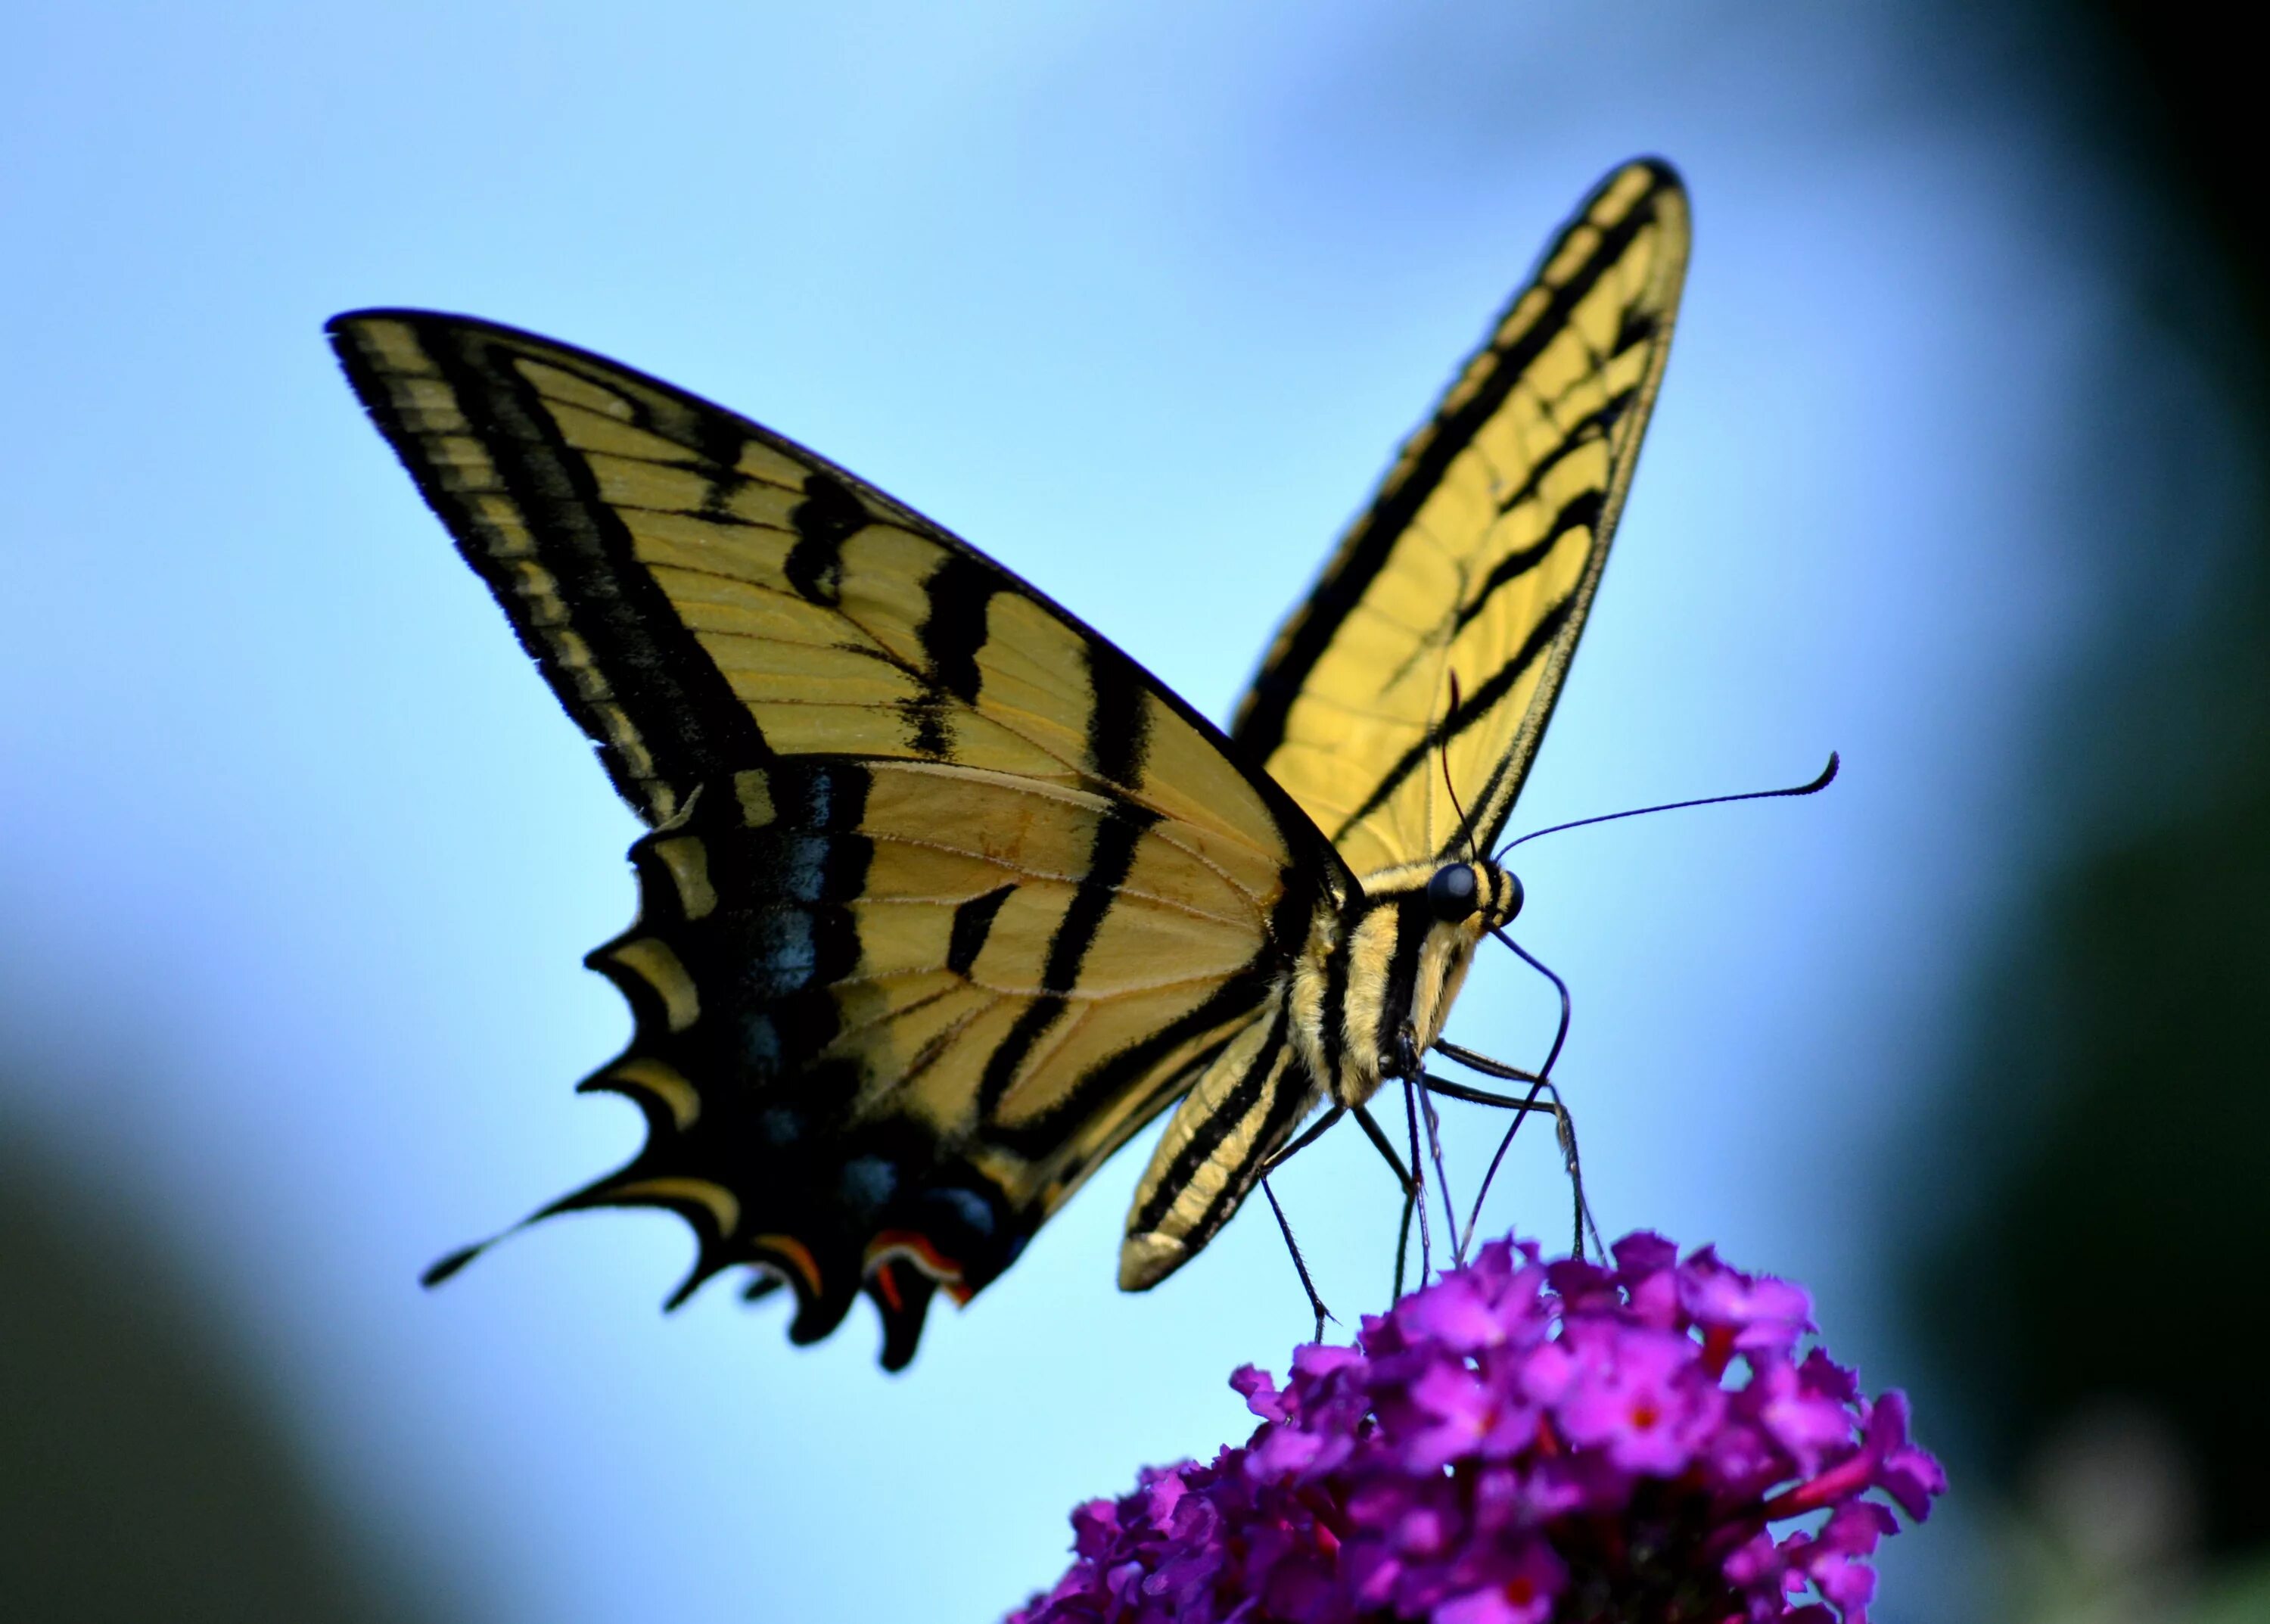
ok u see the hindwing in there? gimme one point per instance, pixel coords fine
(891, 1013)
(1442, 626)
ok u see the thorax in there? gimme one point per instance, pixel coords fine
(1375, 981)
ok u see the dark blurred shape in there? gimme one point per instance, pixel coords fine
(2106, 1141)
(143, 1475)
(2188, 104)
(2114, 1509)
(2116, 1254)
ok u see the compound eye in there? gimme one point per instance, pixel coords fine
(1454, 891)
(1514, 895)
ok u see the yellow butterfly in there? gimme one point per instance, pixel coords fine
(945, 896)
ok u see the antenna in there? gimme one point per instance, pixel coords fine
(1442, 753)
(1827, 776)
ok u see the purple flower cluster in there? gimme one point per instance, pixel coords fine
(1520, 1441)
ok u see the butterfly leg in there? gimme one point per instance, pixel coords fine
(1300, 1264)
(1310, 1136)
(1315, 1131)
(1408, 1067)
(1564, 1127)
(1385, 1146)
(1537, 1085)
(1418, 1183)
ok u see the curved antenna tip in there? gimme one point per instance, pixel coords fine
(449, 1263)
(1826, 776)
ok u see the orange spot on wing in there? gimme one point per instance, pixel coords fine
(788, 1250)
(887, 1285)
(917, 1248)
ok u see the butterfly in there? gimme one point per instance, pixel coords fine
(943, 897)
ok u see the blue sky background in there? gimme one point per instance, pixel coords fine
(298, 857)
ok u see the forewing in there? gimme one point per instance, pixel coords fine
(1445, 621)
(705, 596)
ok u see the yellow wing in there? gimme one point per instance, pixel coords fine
(704, 594)
(945, 896)
(1444, 623)
(891, 1013)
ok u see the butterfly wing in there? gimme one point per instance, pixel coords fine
(944, 897)
(704, 594)
(1444, 622)
(891, 1013)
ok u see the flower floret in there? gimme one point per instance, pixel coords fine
(1520, 1441)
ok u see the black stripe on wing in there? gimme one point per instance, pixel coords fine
(1108, 862)
(834, 1200)
(1259, 728)
(952, 633)
(1233, 1002)
(1237, 1105)
(685, 713)
(667, 694)
(1471, 710)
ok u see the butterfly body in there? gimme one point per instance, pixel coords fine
(1366, 997)
(943, 897)
(1397, 968)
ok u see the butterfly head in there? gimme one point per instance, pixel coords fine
(1479, 891)
(1382, 984)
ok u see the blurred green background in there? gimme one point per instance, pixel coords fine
(1957, 470)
